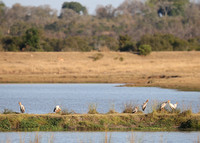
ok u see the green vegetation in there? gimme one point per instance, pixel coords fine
(124, 28)
(75, 6)
(157, 121)
(144, 50)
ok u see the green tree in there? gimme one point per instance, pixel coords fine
(125, 43)
(32, 40)
(11, 43)
(76, 6)
(144, 50)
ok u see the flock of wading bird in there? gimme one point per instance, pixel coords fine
(57, 109)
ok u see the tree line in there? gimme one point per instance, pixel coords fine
(158, 25)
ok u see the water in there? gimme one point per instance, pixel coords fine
(100, 137)
(42, 98)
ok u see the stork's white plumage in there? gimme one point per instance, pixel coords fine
(145, 105)
(57, 109)
(135, 110)
(163, 105)
(22, 108)
(172, 106)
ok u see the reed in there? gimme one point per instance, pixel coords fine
(92, 109)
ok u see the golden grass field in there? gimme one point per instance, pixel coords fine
(179, 70)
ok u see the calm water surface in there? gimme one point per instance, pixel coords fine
(42, 98)
(100, 137)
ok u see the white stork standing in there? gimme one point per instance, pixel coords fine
(57, 109)
(22, 108)
(135, 110)
(173, 106)
(145, 105)
(163, 105)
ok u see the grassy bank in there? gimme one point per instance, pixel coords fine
(100, 122)
(179, 70)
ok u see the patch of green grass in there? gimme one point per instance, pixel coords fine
(28, 124)
(5, 124)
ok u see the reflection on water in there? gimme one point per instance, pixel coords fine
(100, 137)
(42, 98)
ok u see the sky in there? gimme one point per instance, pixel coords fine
(56, 4)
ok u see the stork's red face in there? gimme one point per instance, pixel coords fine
(20, 103)
(147, 100)
(168, 101)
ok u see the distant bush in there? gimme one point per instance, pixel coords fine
(194, 44)
(11, 43)
(125, 43)
(164, 42)
(144, 50)
(96, 57)
(77, 43)
(158, 42)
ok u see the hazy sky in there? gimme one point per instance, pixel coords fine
(56, 4)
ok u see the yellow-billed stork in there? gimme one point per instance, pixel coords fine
(145, 105)
(172, 106)
(57, 109)
(22, 108)
(135, 110)
(163, 105)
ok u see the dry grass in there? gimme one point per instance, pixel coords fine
(178, 70)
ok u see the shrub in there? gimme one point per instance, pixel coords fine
(190, 124)
(92, 109)
(125, 43)
(32, 40)
(144, 50)
(8, 111)
(67, 112)
(158, 42)
(128, 108)
(96, 57)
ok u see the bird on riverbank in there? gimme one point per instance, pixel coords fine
(163, 105)
(22, 108)
(135, 110)
(145, 105)
(172, 106)
(57, 109)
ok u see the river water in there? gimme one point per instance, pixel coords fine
(42, 98)
(100, 137)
